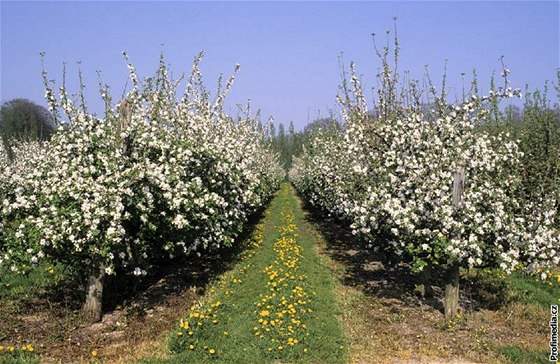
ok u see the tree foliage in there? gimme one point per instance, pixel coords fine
(291, 144)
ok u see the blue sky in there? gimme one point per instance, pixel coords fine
(288, 51)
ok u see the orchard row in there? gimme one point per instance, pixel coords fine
(428, 184)
(155, 178)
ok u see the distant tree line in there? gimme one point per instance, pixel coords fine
(289, 144)
(536, 127)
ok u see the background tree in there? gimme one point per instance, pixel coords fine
(21, 119)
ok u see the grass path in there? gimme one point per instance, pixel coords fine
(276, 305)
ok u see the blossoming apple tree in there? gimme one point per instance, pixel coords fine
(392, 172)
(157, 177)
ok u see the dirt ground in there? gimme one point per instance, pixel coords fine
(388, 321)
(133, 328)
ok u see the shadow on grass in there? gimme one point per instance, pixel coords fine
(372, 272)
(177, 275)
(64, 291)
(377, 275)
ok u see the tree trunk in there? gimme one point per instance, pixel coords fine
(427, 281)
(94, 293)
(424, 287)
(451, 298)
(8, 149)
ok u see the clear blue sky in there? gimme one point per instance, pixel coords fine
(288, 51)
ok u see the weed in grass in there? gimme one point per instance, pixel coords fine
(459, 322)
(527, 289)
(18, 288)
(24, 354)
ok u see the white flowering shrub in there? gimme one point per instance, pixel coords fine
(17, 178)
(317, 172)
(156, 177)
(391, 173)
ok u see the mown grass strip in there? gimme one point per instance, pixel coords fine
(282, 311)
(282, 282)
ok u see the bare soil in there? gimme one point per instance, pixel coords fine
(135, 323)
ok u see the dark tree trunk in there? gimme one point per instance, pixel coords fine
(424, 286)
(427, 281)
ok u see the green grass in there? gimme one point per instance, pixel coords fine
(494, 291)
(19, 359)
(518, 290)
(18, 356)
(237, 315)
(515, 354)
(18, 293)
(531, 290)
(26, 287)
